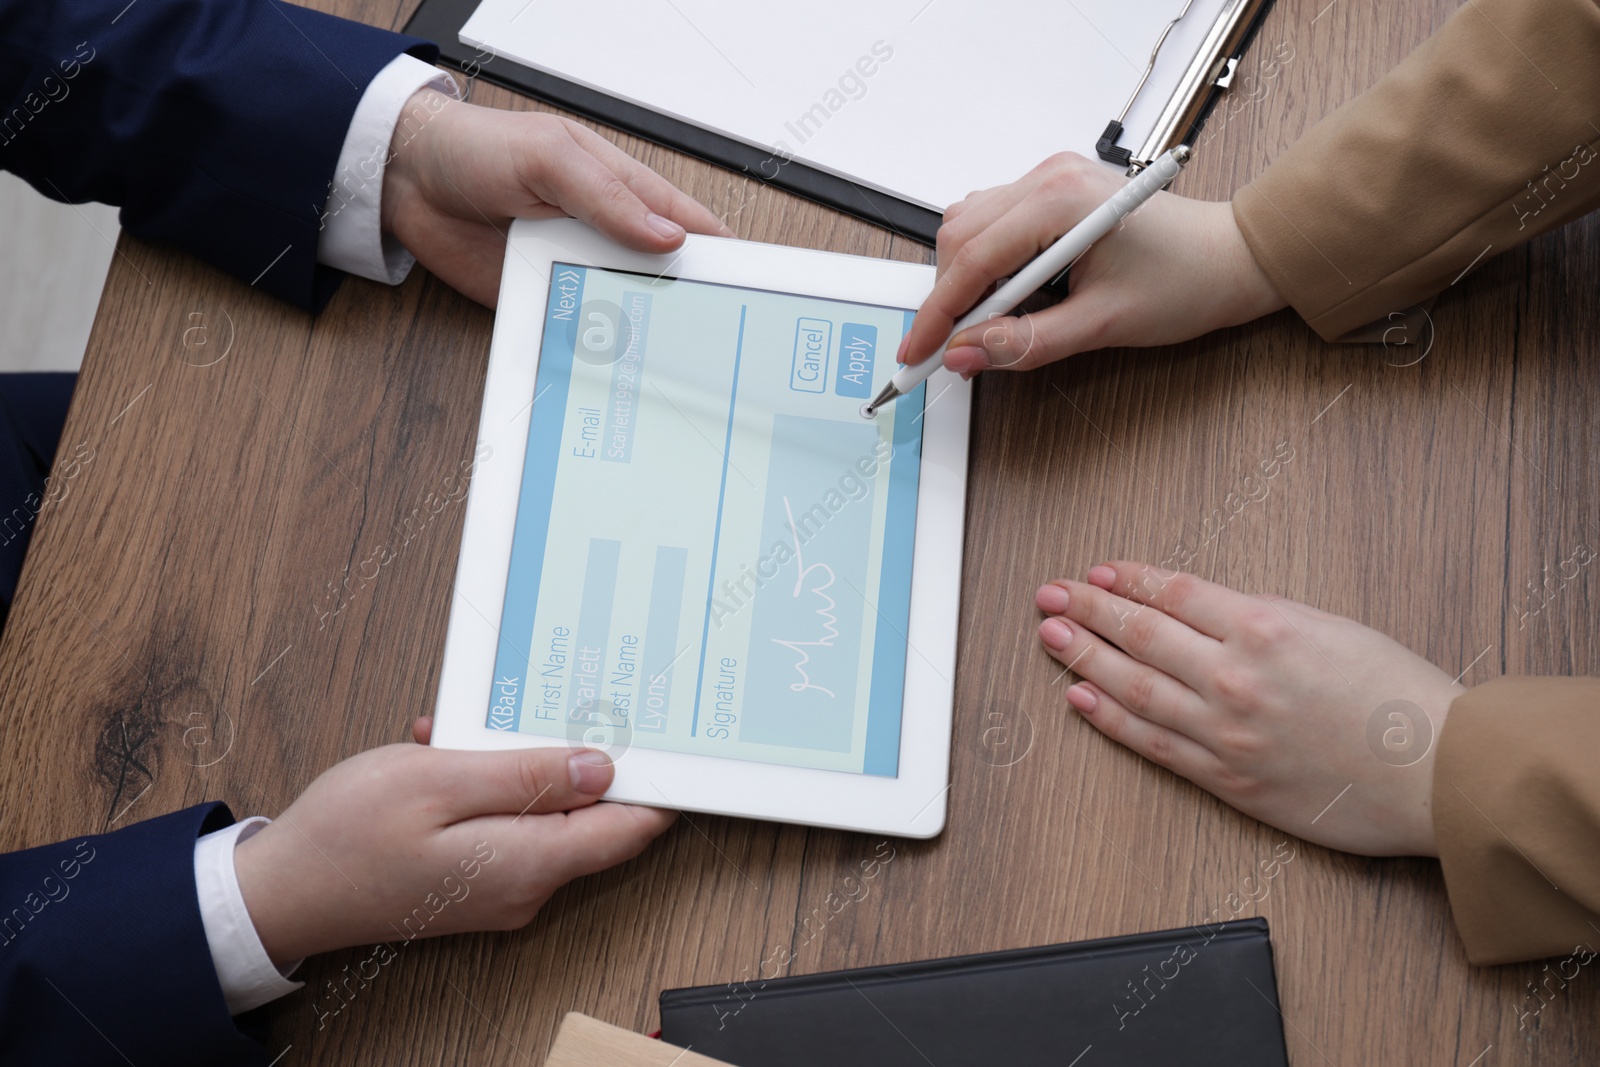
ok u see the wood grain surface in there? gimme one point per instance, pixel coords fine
(183, 631)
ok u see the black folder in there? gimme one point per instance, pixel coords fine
(1198, 996)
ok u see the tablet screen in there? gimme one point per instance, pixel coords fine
(712, 551)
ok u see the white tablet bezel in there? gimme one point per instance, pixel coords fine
(912, 804)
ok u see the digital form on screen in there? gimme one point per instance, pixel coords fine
(713, 549)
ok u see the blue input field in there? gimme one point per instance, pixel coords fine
(858, 349)
(806, 630)
(594, 628)
(808, 373)
(627, 379)
(661, 638)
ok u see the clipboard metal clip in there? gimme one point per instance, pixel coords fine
(1106, 146)
(1207, 74)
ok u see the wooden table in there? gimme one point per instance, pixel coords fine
(170, 644)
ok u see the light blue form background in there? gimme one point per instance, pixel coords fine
(693, 505)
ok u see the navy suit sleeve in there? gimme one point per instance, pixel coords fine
(103, 957)
(214, 124)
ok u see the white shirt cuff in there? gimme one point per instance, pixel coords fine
(352, 239)
(244, 970)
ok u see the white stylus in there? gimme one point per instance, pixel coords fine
(1051, 262)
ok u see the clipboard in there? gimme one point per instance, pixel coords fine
(1193, 58)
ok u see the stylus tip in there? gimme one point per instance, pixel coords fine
(886, 394)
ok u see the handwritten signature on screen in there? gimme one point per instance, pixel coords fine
(830, 629)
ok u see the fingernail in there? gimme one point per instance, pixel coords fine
(590, 771)
(966, 359)
(1082, 698)
(1102, 576)
(900, 355)
(1056, 634)
(1052, 598)
(663, 226)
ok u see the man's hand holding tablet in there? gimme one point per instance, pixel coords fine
(458, 174)
(403, 842)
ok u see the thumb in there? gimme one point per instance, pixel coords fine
(521, 781)
(1081, 323)
(605, 835)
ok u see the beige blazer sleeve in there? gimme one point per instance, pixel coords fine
(1516, 808)
(1480, 139)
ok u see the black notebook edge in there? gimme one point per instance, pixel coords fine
(976, 963)
(440, 21)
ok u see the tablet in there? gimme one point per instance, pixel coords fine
(685, 545)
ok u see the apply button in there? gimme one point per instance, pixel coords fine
(858, 347)
(808, 373)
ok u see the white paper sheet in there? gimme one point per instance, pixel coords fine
(924, 99)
